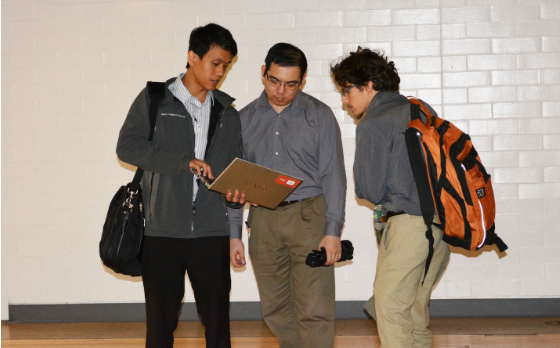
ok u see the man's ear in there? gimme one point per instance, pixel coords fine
(303, 79)
(263, 69)
(192, 58)
(369, 87)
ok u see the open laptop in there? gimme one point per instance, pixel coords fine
(263, 186)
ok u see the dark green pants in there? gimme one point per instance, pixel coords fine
(297, 301)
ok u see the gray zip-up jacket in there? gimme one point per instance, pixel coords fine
(382, 172)
(167, 181)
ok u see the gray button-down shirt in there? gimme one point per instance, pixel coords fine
(304, 141)
(382, 172)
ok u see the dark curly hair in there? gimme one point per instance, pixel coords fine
(366, 65)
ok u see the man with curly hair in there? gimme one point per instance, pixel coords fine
(369, 85)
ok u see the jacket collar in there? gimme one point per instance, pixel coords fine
(221, 97)
(379, 98)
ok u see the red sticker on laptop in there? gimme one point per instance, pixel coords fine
(286, 181)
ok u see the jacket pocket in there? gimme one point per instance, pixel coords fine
(211, 212)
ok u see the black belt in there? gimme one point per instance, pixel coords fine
(289, 202)
(389, 215)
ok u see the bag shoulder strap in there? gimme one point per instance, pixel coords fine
(156, 92)
(420, 174)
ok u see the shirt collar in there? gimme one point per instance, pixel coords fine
(299, 100)
(262, 100)
(179, 86)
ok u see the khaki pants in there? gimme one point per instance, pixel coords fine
(297, 301)
(401, 301)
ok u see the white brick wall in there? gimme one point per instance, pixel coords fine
(70, 70)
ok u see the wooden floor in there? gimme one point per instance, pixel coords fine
(455, 333)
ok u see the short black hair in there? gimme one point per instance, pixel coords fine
(286, 55)
(366, 65)
(202, 39)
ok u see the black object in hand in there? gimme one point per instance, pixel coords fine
(317, 258)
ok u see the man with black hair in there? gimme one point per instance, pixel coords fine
(369, 85)
(197, 134)
(290, 131)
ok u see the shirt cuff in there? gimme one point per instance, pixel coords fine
(235, 231)
(234, 205)
(333, 228)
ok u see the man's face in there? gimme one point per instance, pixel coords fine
(356, 99)
(209, 70)
(281, 84)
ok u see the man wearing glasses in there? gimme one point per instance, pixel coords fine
(290, 131)
(382, 175)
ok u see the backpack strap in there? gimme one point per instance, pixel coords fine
(430, 119)
(492, 238)
(420, 173)
(156, 92)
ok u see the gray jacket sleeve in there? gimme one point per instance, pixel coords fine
(235, 210)
(236, 215)
(371, 162)
(333, 174)
(134, 148)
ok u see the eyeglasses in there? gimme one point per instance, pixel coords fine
(345, 91)
(289, 86)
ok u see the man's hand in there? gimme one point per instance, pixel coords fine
(238, 197)
(332, 247)
(201, 168)
(236, 253)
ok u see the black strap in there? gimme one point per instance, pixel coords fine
(500, 244)
(430, 237)
(419, 171)
(156, 93)
(492, 238)
(390, 214)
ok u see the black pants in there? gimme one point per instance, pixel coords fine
(206, 261)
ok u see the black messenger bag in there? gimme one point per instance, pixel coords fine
(121, 242)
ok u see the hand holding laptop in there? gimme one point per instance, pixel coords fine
(238, 197)
(203, 172)
(243, 181)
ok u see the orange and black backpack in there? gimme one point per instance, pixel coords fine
(451, 182)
